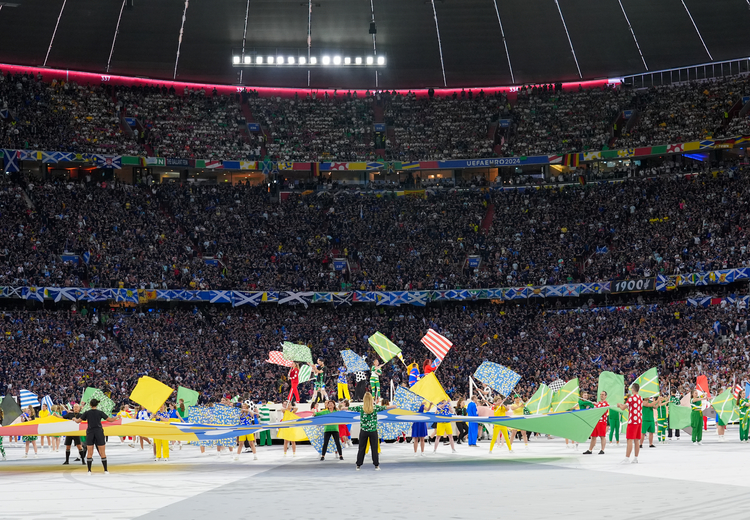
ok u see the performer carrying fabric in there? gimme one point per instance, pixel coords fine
(674, 399)
(696, 418)
(330, 430)
(472, 411)
(662, 420)
(497, 430)
(444, 428)
(360, 387)
(95, 433)
(375, 373)
(74, 439)
(342, 385)
(294, 383)
(743, 408)
(600, 430)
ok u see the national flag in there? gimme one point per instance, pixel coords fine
(717, 327)
(566, 398)
(736, 391)
(501, 379)
(150, 393)
(571, 159)
(315, 169)
(11, 161)
(437, 344)
(701, 383)
(246, 298)
(189, 397)
(28, 399)
(86, 257)
(277, 358)
(295, 352)
(430, 388)
(353, 362)
(648, 383)
(385, 348)
(540, 401)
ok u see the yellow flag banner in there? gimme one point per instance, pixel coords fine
(430, 388)
(150, 393)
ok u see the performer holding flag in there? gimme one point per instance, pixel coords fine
(600, 430)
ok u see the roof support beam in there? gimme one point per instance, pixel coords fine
(440, 44)
(502, 32)
(572, 50)
(54, 33)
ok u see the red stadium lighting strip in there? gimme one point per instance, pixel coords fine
(91, 78)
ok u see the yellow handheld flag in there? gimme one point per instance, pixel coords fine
(430, 388)
(150, 393)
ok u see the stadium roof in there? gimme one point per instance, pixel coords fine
(670, 33)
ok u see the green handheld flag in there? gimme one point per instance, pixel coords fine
(385, 348)
(190, 397)
(724, 406)
(679, 416)
(540, 401)
(88, 394)
(295, 352)
(614, 385)
(566, 398)
(649, 383)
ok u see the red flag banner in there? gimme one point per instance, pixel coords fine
(437, 344)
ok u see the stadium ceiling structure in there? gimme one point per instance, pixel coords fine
(434, 43)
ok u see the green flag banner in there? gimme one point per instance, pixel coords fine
(190, 397)
(724, 406)
(106, 404)
(649, 383)
(566, 398)
(679, 417)
(295, 352)
(540, 401)
(88, 394)
(385, 348)
(305, 373)
(614, 385)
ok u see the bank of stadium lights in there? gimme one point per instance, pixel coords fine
(325, 60)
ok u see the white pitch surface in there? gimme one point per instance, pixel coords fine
(547, 481)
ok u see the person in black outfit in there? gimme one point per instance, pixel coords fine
(74, 439)
(95, 433)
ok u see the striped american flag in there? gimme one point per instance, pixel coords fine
(277, 358)
(437, 344)
(736, 391)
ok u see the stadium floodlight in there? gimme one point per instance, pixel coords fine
(381, 60)
(248, 60)
(259, 60)
(347, 61)
(358, 60)
(370, 60)
(290, 60)
(337, 60)
(313, 60)
(326, 60)
(236, 60)
(302, 60)
(280, 60)
(270, 60)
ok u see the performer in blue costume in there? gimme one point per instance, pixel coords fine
(472, 411)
